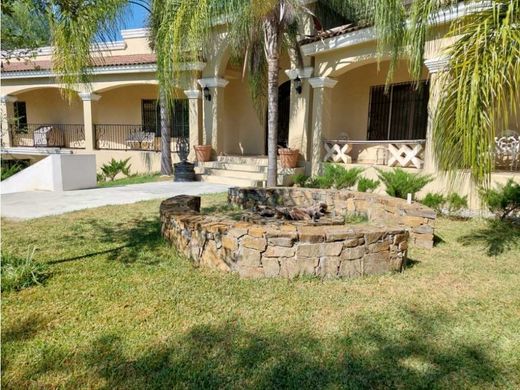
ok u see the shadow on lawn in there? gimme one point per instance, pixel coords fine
(136, 241)
(497, 237)
(372, 355)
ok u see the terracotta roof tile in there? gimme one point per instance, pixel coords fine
(333, 32)
(134, 59)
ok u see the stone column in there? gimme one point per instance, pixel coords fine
(194, 96)
(321, 113)
(7, 113)
(299, 115)
(88, 122)
(437, 68)
(213, 112)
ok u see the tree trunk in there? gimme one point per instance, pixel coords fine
(166, 150)
(272, 50)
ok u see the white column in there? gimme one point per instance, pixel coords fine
(7, 113)
(88, 122)
(299, 113)
(194, 96)
(437, 68)
(213, 112)
(321, 113)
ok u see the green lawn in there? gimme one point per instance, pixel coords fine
(122, 310)
(137, 179)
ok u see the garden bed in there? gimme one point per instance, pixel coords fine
(257, 246)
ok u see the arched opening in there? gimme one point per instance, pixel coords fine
(284, 107)
(133, 122)
(42, 117)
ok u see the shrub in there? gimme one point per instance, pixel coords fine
(434, 201)
(19, 273)
(8, 172)
(400, 183)
(503, 200)
(456, 203)
(300, 179)
(100, 177)
(335, 176)
(367, 185)
(115, 167)
(355, 218)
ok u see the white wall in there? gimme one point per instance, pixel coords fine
(54, 173)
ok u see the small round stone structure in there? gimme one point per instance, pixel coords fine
(281, 248)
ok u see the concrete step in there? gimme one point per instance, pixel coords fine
(247, 160)
(230, 181)
(231, 167)
(236, 174)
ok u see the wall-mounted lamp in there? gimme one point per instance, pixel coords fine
(298, 85)
(207, 94)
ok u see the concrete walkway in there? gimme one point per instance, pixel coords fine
(27, 205)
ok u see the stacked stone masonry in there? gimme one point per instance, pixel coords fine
(381, 210)
(284, 249)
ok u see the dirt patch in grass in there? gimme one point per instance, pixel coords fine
(123, 310)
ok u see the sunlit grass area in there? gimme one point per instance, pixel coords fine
(120, 309)
(136, 179)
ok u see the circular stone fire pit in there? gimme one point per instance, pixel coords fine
(260, 246)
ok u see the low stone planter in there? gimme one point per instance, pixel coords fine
(381, 210)
(280, 248)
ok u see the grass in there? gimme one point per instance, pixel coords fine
(122, 310)
(135, 179)
(21, 272)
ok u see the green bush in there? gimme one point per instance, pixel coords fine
(400, 183)
(503, 200)
(115, 167)
(100, 177)
(434, 201)
(19, 273)
(335, 176)
(300, 179)
(8, 172)
(367, 185)
(456, 203)
(355, 218)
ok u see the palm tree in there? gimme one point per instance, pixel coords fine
(481, 87)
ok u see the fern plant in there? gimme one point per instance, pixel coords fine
(367, 185)
(335, 176)
(456, 203)
(400, 183)
(115, 167)
(434, 201)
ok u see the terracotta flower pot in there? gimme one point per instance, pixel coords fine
(203, 152)
(289, 157)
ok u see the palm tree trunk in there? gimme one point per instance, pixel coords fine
(272, 49)
(166, 151)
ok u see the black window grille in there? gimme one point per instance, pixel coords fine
(399, 114)
(179, 118)
(20, 114)
(151, 116)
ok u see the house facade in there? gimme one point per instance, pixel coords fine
(334, 109)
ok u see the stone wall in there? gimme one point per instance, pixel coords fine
(287, 249)
(381, 210)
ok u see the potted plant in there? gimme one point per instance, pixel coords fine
(202, 152)
(289, 157)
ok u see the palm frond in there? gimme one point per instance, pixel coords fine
(481, 89)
